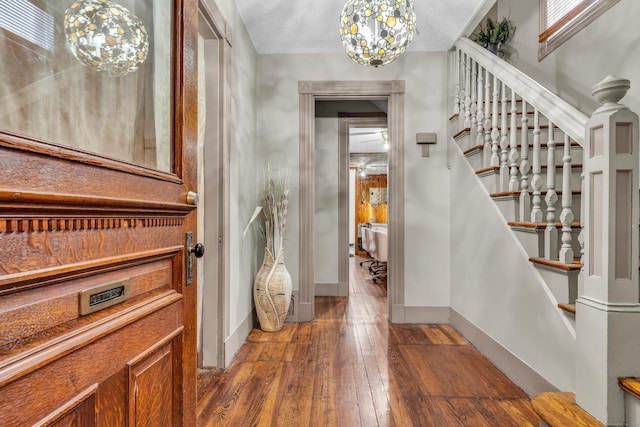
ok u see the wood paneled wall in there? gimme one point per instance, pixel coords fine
(365, 212)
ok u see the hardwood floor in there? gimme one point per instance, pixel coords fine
(350, 367)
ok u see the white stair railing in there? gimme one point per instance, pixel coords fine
(504, 133)
(525, 167)
(566, 217)
(479, 140)
(490, 93)
(495, 132)
(536, 181)
(551, 232)
(486, 155)
(514, 185)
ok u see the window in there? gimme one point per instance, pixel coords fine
(561, 19)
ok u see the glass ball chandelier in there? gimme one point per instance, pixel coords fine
(375, 32)
(106, 37)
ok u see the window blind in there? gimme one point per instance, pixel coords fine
(554, 14)
(25, 20)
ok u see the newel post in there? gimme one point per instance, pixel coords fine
(608, 309)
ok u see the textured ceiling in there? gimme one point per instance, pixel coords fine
(311, 26)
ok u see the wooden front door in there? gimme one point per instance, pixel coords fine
(97, 317)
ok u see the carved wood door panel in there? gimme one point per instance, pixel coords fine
(97, 321)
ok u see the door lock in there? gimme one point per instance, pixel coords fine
(197, 250)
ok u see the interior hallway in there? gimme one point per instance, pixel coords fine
(350, 367)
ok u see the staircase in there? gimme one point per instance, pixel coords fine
(526, 147)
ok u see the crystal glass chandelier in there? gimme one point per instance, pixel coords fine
(106, 37)
(375, 32)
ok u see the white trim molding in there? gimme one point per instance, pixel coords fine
(393, 92)
(234, 341)
(597, 8)
(513, 367)
(422, 315)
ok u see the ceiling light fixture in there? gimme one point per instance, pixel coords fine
(375, 32)
(106, 37)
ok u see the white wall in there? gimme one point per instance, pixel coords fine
(426, 179)
(326, 200)
(497, 289)
(244, 177)
(609, 45)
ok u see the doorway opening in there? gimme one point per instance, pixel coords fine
(368, 231)
(342, 127)
(391, 92)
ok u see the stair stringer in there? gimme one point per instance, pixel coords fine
(497, 289)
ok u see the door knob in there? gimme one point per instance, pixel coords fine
(197, 250)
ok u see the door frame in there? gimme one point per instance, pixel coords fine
(213, 351)
(347, 121)
(393, 92)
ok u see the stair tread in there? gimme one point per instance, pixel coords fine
(561, 409)
(631, 385)
(468, 129)
(497, 168)
(540, 225)
(557, 264)
(571, 308)
(517, 193)
(472, 149)
(544, 146)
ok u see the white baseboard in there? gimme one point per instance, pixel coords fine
(518, 371)
(233, 343)
(332, 289)
(415, 314)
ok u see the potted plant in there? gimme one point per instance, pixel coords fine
(493, 34)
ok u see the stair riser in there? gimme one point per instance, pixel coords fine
(562, 284)
(532, 241)
(475, 158)
(510, 208)
(491, 180)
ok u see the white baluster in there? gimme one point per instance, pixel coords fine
(514, 184)
(480, 118)
(461, 79)
(525, 167)
(474, 106)
(456, 102)
(566, 217)
(467, 93)
(551, 232)
(495, 133)
(487, 122)
(536, 181)
(504, 152)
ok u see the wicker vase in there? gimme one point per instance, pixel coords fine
(272, 292)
